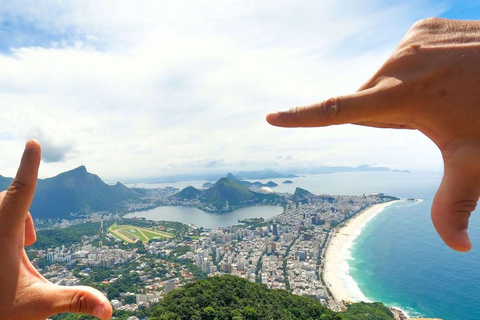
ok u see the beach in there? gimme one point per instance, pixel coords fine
(335, 268)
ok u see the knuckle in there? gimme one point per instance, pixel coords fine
(331, 107)
(318, 114)
(17, 187)
(407, 54)
(78, 303)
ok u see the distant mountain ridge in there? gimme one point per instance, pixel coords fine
(261, 174)
(78, 192)
(269, 184)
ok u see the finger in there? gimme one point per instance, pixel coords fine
(452, 206)
(384, 125)
(363, 106)
(19, 196)
(79, 299)
(30, 235)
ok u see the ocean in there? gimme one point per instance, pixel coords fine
(398, 258)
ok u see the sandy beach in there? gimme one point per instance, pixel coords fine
(335, 265)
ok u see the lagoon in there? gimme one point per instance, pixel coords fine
(191, 215)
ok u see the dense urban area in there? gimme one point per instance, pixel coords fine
(284, 252)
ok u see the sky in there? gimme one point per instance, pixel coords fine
(138, 89)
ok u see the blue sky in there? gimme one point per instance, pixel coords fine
(145, 88)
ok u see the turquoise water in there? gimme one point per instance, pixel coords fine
(399, 260)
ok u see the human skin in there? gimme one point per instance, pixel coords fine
(24, 293)
(430, 83)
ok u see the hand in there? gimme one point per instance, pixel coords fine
(24, 293)
(430, 83)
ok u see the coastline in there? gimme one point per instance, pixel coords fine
(335, 267)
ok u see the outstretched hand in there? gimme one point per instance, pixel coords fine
(24, 293)
(430, 83)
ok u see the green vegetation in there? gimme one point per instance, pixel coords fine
(367, 311)
(66, 236)
(228, 190)
(126, 282)
(117, 315)
(131, 234)
(172, 227)
(189, 193)
(234, 298)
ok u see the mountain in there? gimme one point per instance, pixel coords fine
(258, 184)
(226, 190)
(230, 297)
(78, 192)
(301, 195)
(231, 176)
(189, 193)
(5, 183)
(327, 169)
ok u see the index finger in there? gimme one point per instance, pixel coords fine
(19, 195)
(365, 106)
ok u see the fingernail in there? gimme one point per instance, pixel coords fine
(99, 311)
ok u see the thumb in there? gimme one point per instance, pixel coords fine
(454, 201)
(78, 299)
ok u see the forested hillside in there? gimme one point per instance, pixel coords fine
(234, 298)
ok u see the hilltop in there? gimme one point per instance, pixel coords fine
(76, 191)
(234, 298)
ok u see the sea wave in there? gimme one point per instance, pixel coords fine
(345, 256)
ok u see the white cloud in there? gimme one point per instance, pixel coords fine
(141, 88)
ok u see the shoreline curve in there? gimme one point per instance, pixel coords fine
(336, 266)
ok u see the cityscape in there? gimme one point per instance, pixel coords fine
(283, 252)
